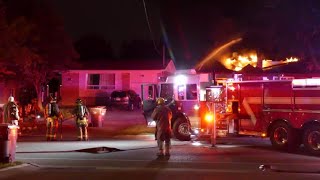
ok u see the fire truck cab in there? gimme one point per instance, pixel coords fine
(181, 93)
(286, 111)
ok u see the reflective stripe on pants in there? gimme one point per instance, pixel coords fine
(52, 128)
(82, 129)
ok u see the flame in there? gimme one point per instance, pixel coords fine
(291, 59)
(239, 61)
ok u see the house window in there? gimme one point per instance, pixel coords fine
(101, 81)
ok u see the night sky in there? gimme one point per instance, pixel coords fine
(192, 29)
(117, 20)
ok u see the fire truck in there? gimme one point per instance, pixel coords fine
(286, 111)
(182, 95)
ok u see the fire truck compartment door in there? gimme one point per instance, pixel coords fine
(250, 105)
(246, 125)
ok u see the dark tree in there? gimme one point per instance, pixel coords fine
(34, 42)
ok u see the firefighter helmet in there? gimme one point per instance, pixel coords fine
(160, 101)
(11, 99)
(78, 101)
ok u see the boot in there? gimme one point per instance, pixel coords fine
(160, 153)
(167, 151)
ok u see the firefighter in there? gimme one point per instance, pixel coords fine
(80, 112)
(11, 112)
(162, 115)
(52, 115)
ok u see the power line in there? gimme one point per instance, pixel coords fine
(149, 27)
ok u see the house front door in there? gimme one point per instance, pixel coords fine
(125, 81)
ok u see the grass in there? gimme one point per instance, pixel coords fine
(5, 165)
(136, 130)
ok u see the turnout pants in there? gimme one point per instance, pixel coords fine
(52, 128)
(82, 129)
(164, 142)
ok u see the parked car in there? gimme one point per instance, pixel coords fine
(123, 99)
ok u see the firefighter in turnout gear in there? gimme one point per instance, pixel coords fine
(52, 115)
(11, 112)
(162, 115)
(80, 112)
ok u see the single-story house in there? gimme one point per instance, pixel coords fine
(96, 80)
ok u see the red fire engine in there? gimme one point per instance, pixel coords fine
(286, 111)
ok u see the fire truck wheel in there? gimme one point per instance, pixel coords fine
(181, 130)
(311, 139)
(283, 137)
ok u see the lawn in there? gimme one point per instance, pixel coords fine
(5, 165)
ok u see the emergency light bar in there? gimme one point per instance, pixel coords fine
(296, 83)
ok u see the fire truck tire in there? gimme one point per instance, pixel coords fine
(311, 139)
(283, 137)
(181, 130)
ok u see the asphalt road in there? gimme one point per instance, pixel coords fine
(134, 157)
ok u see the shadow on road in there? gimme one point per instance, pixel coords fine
(96, 150)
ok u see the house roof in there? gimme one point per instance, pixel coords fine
(250, 69)
(123, 64)
(294, 67)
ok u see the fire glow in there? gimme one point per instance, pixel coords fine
(237, 62)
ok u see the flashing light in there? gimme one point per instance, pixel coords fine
(180, 80)
(209, 117)
(196, 131)
(263, 135)
(196, 107)
(232, 88)
(180, 88)
(38, 117)
(202, 130)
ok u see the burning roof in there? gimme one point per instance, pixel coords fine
(244, 63)
(238, 61)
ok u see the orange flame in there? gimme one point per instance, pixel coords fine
(237, 62)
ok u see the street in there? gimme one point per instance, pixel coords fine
(134, 156)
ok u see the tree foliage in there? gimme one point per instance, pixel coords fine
(33, 43)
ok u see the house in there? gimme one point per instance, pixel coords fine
(95, 81)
